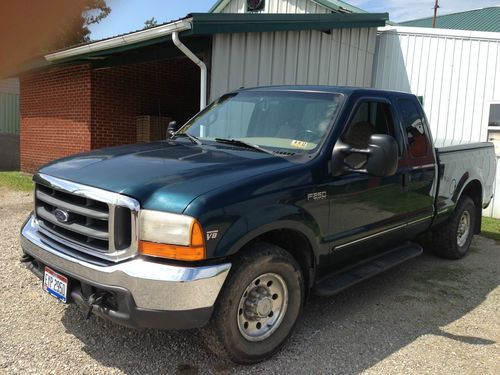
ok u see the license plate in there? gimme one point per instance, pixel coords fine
(55, 284)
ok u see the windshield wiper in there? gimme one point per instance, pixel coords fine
(191, 137)
(236, 142)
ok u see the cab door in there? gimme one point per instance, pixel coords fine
(368, 214)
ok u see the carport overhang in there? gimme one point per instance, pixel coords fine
(195, 31)
(199, 26)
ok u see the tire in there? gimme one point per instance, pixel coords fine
(259, 266)
(445, 240)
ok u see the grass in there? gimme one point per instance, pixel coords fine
(16, 181)
(491, 228)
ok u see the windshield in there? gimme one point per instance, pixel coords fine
(291, 122)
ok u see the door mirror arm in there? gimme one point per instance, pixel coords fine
(172, 129)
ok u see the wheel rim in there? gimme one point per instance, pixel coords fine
(463, 229)
(262, 307)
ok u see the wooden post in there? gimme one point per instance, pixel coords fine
(436, 7)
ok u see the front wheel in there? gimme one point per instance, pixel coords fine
(258, 307)
(452, 240)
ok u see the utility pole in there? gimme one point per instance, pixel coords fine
(436, 7)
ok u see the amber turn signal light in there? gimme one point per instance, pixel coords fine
(193, 252)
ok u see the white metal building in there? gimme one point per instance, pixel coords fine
(342, 56)
(457, 74)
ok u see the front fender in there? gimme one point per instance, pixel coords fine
(266, 219)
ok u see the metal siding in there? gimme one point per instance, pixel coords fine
(278, 59)
(9, 86)
(493, 209)
(305, 57)
(457, 73)
(278, 6)
(9, 113)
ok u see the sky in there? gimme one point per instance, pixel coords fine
(129, 15)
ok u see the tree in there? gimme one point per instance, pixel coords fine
(150, 23)
(76, 30)
(30, 29)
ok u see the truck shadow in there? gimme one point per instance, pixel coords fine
(348, 333)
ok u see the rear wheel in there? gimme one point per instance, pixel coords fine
(258, 307)
(452, 240)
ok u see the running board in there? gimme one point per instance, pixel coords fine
(335, 283)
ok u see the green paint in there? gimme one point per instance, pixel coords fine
(209, 24)
(486, 19)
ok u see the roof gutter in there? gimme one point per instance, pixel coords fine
(120, 41)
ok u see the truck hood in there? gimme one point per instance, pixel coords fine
(166, 175)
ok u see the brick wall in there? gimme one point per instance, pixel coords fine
(168, 88)
(55, 109)
(74, 109)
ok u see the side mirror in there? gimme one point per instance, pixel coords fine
(172, 128)
(381, 157)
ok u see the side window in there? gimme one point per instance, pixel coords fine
(414, 129)
(494, 126)
(370, 118)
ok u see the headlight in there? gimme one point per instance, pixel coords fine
(172, 236)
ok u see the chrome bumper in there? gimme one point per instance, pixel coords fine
(153, 286)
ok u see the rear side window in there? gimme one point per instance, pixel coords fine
(414, 129)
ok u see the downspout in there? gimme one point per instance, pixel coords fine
(197, 61)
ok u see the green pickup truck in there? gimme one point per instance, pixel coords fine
(266, 196)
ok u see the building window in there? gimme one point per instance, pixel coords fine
(494, 126)
(494, 118)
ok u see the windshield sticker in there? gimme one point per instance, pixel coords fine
(299, 144)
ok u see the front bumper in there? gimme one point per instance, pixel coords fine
(147, 294)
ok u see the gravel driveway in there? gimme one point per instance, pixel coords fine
(426, 316)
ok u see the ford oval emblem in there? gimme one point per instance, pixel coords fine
(61, 215)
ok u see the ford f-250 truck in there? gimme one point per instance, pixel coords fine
(266, 196)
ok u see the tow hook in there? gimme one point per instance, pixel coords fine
(25, 258)
(96, 299)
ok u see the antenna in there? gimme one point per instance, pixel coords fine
(436, 7)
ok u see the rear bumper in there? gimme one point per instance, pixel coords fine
(146, 294)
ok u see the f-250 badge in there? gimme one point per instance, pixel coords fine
(320, 195)
(212, 234)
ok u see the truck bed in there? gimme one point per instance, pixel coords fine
(458, 166)
(463, 147)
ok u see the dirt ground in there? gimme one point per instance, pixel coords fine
(425, 316)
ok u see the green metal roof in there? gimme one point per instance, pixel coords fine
(203, 25)
(210, 23)
(207, 24)
(333, 5)
(485, 19)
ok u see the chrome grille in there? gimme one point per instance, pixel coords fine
(94, 221)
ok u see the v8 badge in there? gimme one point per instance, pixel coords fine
(212, 234)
